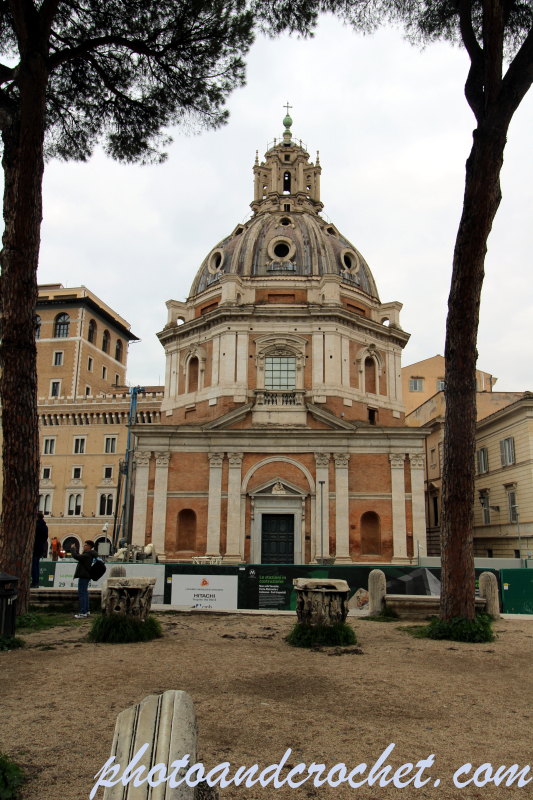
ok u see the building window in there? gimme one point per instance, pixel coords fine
(90, 364)
(74, 505)
(441, 383)
(58, 358)
(111, 444)
(435, 511)
(49, 447)
(186, 530)
(106, 505)
(513, 507)
(87, 391)
(490, 553)
(37, 327)
(91, 335)
(105, 342)
(79, 445)
(507, 451)
(108, 473)
(117, 379)
(482, 460)
(54, 388)
(287, 207)
(104, 373)
(45, 503)
(516, 553)
(118, 350)
(486, 508)
(280, 373)
(416, 384)
(47, 472)
(76, 473)
(372, 416)
(370, 534)
(61, 327)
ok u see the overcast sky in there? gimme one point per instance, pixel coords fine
(393, 130)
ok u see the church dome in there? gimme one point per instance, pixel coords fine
(286, 237)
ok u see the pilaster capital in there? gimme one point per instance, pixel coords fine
(162, 458)
(341, 460)
(322, 459)
(417, 460)
(142, 458)
(235, 459)
(396, 460)
(215, 459)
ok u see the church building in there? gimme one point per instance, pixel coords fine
(282, 435)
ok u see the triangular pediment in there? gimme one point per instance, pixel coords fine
(229, 419)
(278, 487)
(329, 419)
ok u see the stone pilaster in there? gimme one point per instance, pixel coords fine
(399, 530)
(233, 553)
(159, 524)
(418, 504)
(142, 468)
(322, 474)
(215, 502)
(342, 509)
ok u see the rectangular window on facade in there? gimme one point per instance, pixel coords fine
(482, 460)
(47, 472)
(79, 445)
(106, 505)
(104, 373)
(76, 473)
(441, 383)
(49, 447)
(490, 553)
(435, 511)
(516, 553)
(486, 509)
(108, 473)
(58, 359)
(45, 503)
(54, 388)
(513, 508)
(507, 451)
(90, 364)
(111, 444)
(74, 505)
(87, 391)
(117, 379)
(416, 384)
(280, 373)
(433, 457)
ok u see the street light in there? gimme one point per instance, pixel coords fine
(322, 521)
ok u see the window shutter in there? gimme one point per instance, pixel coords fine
(502, 452)
(479, 462)
(511, 450)
(411, 385)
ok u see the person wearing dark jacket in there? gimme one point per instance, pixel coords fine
(85, 560)
(40, 548)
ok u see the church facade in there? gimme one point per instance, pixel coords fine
(282, 435)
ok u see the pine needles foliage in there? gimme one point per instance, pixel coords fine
(11, 778)
(117, 629)
(337, 635)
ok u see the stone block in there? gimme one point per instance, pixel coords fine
(321, 602)
(488, 589)
(128, 596)
(377, 589)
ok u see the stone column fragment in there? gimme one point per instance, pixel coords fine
(377, 589)
(342, 511)
(322, 474)
(159, 524)
(215, 503)
(399, 530)
(233, 533)
(488, 588)
(142, 463)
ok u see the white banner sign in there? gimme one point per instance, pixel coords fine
(64, 576)
(205, 591)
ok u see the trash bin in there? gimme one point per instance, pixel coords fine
(8, 604)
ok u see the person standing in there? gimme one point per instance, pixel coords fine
(85, 560)
(40, 548)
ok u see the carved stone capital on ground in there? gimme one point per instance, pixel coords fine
(215, 459)
(417, 461)
(341, 459)
(396, 460)
(235, 459)
(142, 458)
(162, 459)
(322, 459)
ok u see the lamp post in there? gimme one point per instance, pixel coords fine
(322, 521)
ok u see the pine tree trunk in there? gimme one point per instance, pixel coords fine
(481, 200)
(23, 170)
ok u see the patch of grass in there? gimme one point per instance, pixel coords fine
(11, 778)
(66, 607)
(115, 629)
(33, 621)
(387, 614)
(338, 635)
(458, 629)
(10, 643)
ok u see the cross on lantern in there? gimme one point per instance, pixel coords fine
(287, 107)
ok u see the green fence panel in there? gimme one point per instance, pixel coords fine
(517, 591)
(47, 571)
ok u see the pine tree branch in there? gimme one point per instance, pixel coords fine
(519, 77)
(474, 83)
(90, 45)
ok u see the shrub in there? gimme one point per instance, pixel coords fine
(457, 629)
(11, 778)
(116, 629)
(386, 614)
(10, 642)
(340, 634)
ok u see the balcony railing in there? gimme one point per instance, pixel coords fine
(280, 398)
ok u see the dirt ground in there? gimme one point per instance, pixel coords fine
(255, 697)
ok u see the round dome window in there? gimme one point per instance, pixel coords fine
(215, 262)
(281, 250)
(286, 221)
(347, 261)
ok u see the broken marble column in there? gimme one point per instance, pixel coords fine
(321, 602)
(128, 597)
(377, 589)
(488, 588)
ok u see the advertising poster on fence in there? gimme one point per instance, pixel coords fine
(205, 591)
